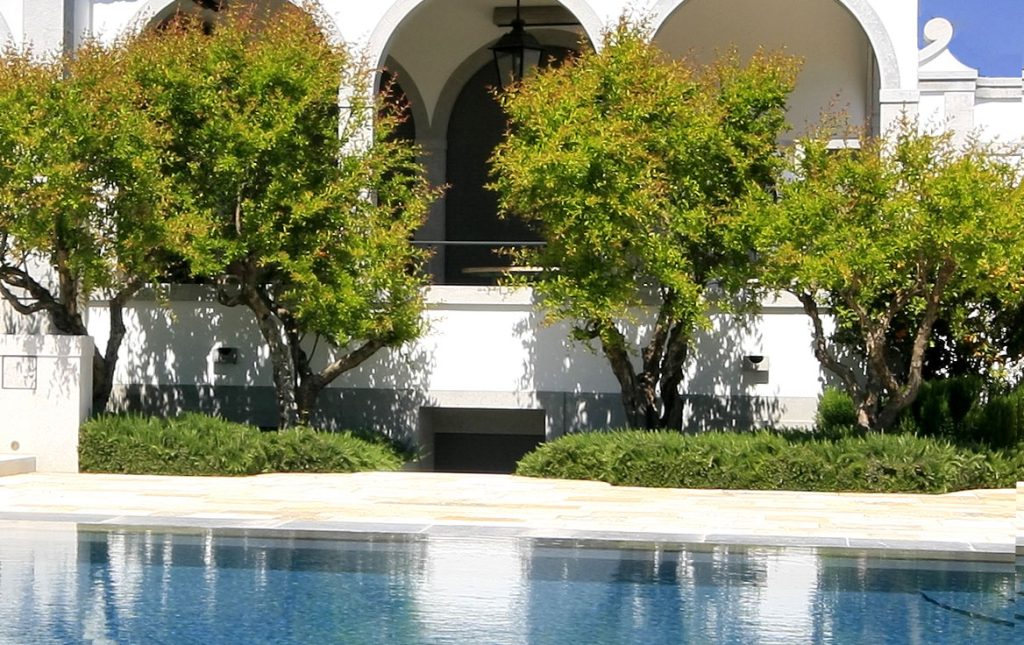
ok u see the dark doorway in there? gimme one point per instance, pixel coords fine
(475, 128)
(480, 440)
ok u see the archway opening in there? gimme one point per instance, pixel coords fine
(443, 51)
(476, 237)
(839, 71)
(208, 10)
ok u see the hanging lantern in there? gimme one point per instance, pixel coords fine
(516, 54)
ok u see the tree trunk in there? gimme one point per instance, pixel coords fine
(274, 334)
(104, 365)
(312, 384)
(633, 397)
(905, 395)
(651, 398)
(676, 352)
(296, 386)
(864, 397)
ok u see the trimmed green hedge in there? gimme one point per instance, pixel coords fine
(766, 460)
(195, 444)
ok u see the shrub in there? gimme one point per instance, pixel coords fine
(771, 460)
(195, 444)
(956, 408)
(835, 411)
(942, 406)
(999, 422)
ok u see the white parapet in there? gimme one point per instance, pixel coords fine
(45, 394)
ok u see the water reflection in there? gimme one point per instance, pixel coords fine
(62, 584)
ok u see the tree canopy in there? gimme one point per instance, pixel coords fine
(299, 206)
(631, 166)
(82, 197)
(890, 237)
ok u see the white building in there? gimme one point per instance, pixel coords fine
(488, 373)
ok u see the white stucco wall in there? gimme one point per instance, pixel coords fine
(1001, 120)
(484, 347)
(45, 394)
(954, 97)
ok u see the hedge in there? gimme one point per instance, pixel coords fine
(769, 460)
(195, 444)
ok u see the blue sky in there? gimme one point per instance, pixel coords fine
(987, 34)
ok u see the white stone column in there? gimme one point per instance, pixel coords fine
(894, 105)
(434, 160)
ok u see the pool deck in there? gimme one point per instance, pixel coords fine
(987, 523)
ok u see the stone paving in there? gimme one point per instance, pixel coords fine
(981, 522)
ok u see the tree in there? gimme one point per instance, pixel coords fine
(81, 194)
(299, 209)
(630, 165)
(892, 237)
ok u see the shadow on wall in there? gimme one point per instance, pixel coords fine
(15, 323)
(727, 387)
(722, 387)
(383, 395)
(192, 354)
(573, 381)
(169, 364)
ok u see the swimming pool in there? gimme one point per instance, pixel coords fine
(66, 583)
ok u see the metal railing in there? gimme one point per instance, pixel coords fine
(474, 262)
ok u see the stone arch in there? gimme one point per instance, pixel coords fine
(469, 67)
(412, 92)
(154, 8)
(6, 35)
(380, 37)
(862, 12)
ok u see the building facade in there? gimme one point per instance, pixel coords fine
(488, 370)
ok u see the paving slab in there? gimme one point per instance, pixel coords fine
(983, 521)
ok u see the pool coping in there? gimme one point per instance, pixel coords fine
(966, 525)
(914, 549)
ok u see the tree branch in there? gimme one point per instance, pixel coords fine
(18, 305)
(821, 349)
(63, 316)
(653, 353)
(350, 360)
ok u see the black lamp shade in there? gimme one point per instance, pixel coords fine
(516, 55)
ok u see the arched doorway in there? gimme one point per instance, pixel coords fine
(155, 12)
(476, 236)
(442, 49)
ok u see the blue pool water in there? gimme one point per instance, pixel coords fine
(70, 584)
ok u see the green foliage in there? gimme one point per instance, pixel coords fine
(766, 460)
(79, 184)
(942, 406)
(960, 409)
(195, 444)
(835, 411)
(891, 236)
(999, 422)
(302, 211)
(82, 198)
(630, 165)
